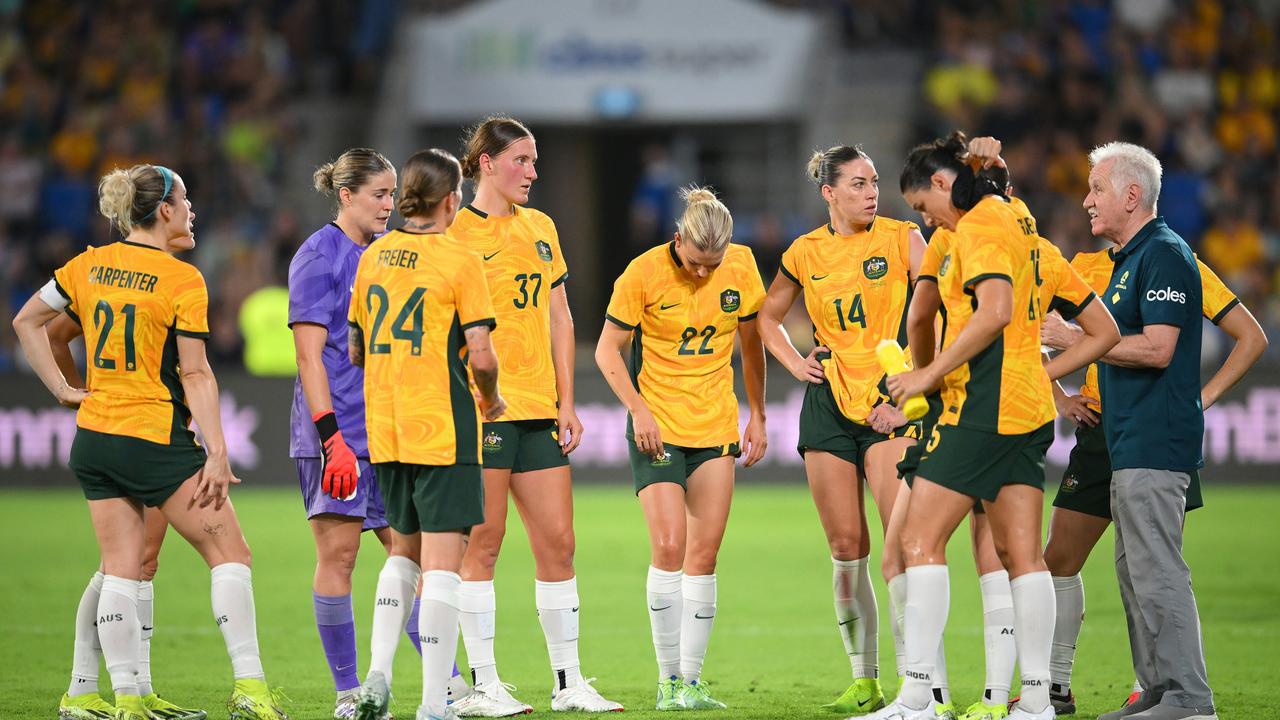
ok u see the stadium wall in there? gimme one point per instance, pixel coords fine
(1242, 433)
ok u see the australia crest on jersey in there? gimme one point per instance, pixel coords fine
(875, 268)
(544, 250)
(730, 300)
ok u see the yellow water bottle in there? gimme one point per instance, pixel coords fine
(894, 362)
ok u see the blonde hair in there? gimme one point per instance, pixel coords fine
(129, 198)
(353, 169)
(706, 222)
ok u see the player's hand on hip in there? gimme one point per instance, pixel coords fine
(1078, 408)
(71, 397)
(885, 418)
(492, 408)
(570, 429)
(811, 369)
(645, 427)
(341, 471)
(755, 441)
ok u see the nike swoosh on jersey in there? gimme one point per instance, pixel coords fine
(487, 258)
(668, 307)
(819, 277)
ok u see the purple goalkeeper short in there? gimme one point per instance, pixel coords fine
(366, 504)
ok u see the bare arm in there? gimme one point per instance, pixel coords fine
(308, 344)
(613, 339)
(355, 345)
(29, 326)
(753, 363)
(918, 246)
(1153, 348)
(62, 330)
(921, 314)
(563, 351)
(201, 390)
(781, 296)
(1100, 334)
(1251, 341)
(484, 370)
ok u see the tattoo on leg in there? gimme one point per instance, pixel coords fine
(218, 529)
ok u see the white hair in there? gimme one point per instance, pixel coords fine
(1134, 165)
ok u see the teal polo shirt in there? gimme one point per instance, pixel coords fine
(1152, 416)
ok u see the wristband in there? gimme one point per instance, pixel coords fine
(326, 424)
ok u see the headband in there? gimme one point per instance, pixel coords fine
(167, 174)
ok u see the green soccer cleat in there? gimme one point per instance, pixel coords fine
(982, 711)
(944, 711)
(166, 710)
(130, 707)
(670, 695)
(89, 706)
(696, 696)
(862, 697)
(251, 699)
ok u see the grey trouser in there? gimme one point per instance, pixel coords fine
(1155, 584)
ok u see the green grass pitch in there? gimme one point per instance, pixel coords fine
(774, 653)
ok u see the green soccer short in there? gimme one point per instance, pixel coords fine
(823, 428)
(111, 466)
(1086, 483)
(979, 463)
(522, 445)
(676, 464)
(431, 498)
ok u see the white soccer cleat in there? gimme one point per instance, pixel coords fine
(1018, 713)
(344, 708)
(425, 714)
(457, 689)
(583, 698)
(490, 700)
(897, 711)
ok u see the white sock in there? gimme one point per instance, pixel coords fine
(1068, 595)
(232, 595)
(857, 615)
(928, 600)
(898, 608)
(666, 609)
(697, 617)
(997, 626)
(86, 653)
(438, 633)
(146, 625)
(1033, 607)
(478, 611)
(557, 604)
(118, 632)
(393, 600)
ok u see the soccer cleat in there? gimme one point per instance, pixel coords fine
(863, 696)
(583, 698)
(344, 708)
(425, 714)
(696, 696)
(89, 706)
(492, 699)
(130, 707)
(457, 689)
(251, 699)
(166, 710)
(1063, 704)
(897, 711)
(1018, 713)
(982, 711)
(372, 700)
(944, 711)
(1133, 698)
(669, 695)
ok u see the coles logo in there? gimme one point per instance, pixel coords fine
(1167, 295)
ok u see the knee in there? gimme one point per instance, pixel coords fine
(920, 548)
(483, 546)
(668, 553)
(1019, 559)
(700, 560)
(1061, 561)
(891, 565)
(848, 545)
(338, 561)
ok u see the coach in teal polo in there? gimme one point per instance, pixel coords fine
(1150, 385)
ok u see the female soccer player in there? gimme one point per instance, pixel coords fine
(680, 306)
(420, 300)
(1082, 507)
(526, 451)
(996, 422)
(145, 319)
(856, 273)
(328, 434)
(82, 699)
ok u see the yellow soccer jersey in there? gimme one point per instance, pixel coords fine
(683, 342)
(522, 263)
(1095, 267)
(1004, 388)
(414, 297)
(132, 302)
(856, 291)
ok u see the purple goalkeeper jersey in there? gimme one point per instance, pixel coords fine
(321, 276)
